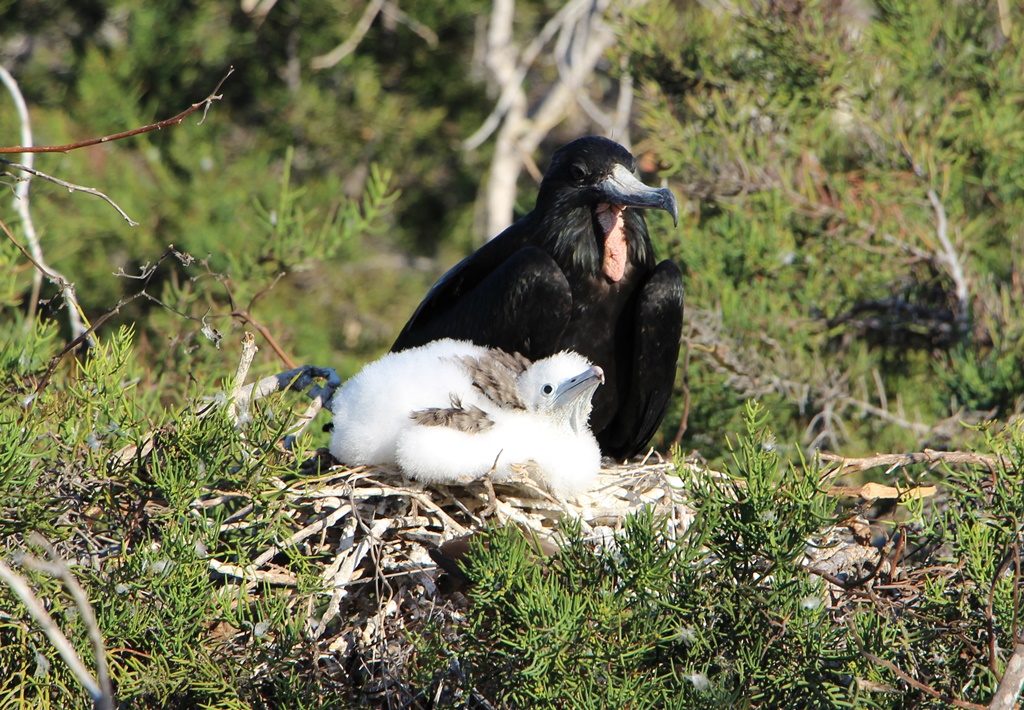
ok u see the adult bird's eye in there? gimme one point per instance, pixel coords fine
(578, 173)
(547, 389)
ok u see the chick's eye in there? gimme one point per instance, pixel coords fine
(547, 389)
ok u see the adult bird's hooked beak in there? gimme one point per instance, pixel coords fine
(623, 188)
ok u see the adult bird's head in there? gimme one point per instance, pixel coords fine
(560, 387)
(589, 204)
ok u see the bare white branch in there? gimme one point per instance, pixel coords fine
(326, 61)
(240, 395)
(21, 206)
(81, 599)
(99, 690)
(582, 33)
(949, 255)
(393, 12)
(1012, 681)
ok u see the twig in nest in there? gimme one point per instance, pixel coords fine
(239, 402)
(298, 379)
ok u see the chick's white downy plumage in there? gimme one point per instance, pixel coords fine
(451, 411)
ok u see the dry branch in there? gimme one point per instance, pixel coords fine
(582, 30)
(99, 688)
(923, 687)
(363, 24)
(891, 462)
(71, 187)
(148, 128)
(950, 256)
(21, 206)
(1009, 688)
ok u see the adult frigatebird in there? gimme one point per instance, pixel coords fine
(576, 273)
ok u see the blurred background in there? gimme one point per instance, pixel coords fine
(850, 175)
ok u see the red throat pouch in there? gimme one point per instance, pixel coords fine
(613, 224)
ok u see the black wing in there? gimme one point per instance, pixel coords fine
(508, 295)
(455, 283)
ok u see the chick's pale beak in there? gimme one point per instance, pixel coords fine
(623, 188)
(581, 385)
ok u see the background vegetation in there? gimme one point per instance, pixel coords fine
(854, 194)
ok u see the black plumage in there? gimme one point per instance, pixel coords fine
(561, 277)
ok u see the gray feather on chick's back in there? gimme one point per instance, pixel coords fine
(469, 419)
(495, 374)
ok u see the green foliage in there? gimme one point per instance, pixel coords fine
(806, 138)
(116, 469)
(732, 615)
(818, 147)
(643, 621)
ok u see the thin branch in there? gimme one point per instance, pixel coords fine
(924, 688)
(71, 187)
(511, 78)
(35, 608)
(884, 414)
(952, 259)
(81, 600)
(1005, 23)
(623, 110)
(1009, 688)
(257, 10)
(326, 61)
(99, 690)
(893, 461)
(21, 197)
(394, 12)
(159, 125)
(78, 331)
(21, 206)
(684, 418)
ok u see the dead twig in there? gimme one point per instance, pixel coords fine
(1009, 687)
(914, 683)
(21, 206)
(363, 24)
(21, 196)
(891, 462)
(99, 688)
(950, 256)
(239, 409)
(71, 187)
(148, 128)
(393, 12)
(582, 31)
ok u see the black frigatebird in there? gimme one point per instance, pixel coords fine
(576, 273)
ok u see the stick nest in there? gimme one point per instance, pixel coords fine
(376, 530)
